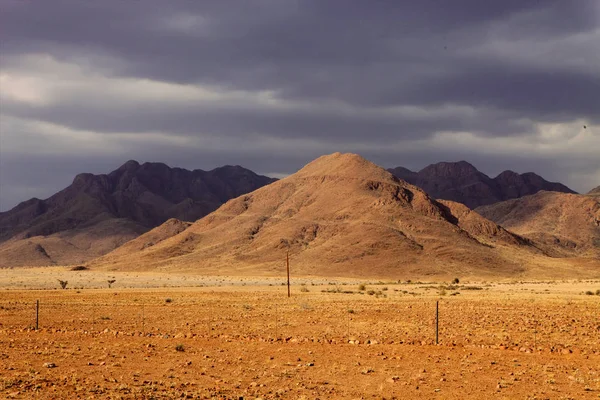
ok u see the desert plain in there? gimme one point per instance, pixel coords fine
(160, 336)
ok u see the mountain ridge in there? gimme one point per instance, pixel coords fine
(134, 198)
(464, 183)
(564, 224)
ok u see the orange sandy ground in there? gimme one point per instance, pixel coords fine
(505, 341)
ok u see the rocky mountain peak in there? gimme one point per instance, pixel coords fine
(450, 169)
(462, 182)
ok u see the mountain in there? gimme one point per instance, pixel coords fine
(595, 192)
(463, 183)
(563, 224)
(98, 213)
(404, 174)
(340, 215)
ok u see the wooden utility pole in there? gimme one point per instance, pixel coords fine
(287, 261)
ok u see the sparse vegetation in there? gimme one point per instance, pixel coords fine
(304, 289)
(456, 281)
(471, 288)
(337, 290)
(180, 347)
(362, 287)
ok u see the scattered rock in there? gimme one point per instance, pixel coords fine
(367, 371)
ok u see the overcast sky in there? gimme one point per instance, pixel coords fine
(272, 84)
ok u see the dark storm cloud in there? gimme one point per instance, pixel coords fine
(358, 52)
(312, 122)
(359, 74)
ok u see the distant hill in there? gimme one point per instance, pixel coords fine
(463, 183)
(98, 213)
(562, 224)
(340, 215)
(594, 192)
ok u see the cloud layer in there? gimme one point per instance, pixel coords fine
(271, 84)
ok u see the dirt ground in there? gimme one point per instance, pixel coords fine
(232, 339)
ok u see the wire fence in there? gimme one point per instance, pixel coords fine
(524, 325)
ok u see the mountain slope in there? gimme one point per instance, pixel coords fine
(594, 192)
(404, 174)
(339, 215)
(463, 183)
(98, 213)
(564, 224)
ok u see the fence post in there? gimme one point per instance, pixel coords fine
(437, 321)
(534, 329)
(287, 261)
(37, 315)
